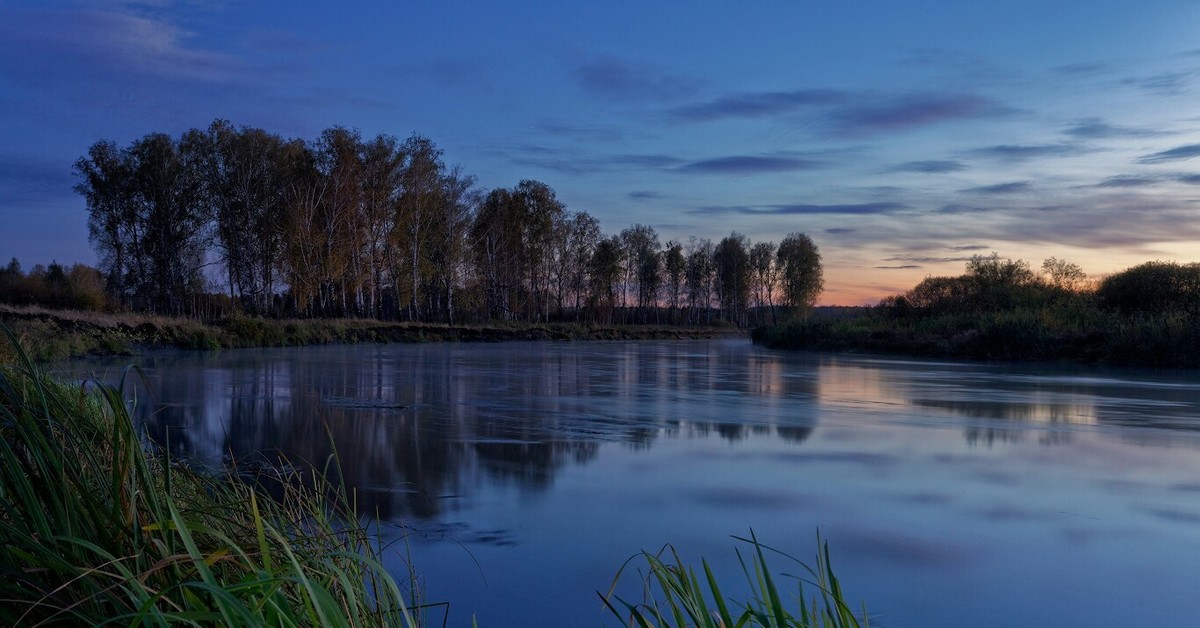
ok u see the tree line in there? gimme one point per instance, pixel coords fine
(345, 226)
(999, 308)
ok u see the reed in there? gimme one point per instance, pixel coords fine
(96, 528)
(674, 596)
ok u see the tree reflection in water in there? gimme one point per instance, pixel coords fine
(416, 428)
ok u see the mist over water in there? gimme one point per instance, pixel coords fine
(522, 475)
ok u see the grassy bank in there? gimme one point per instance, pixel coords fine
(94, 530)
(56, 334)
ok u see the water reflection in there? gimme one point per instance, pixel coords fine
(1001, 403)
(554, 461)
(419, 429)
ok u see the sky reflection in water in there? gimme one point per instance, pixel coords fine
(524, 474)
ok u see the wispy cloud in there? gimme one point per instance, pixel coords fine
(959, 208)
(749, 164)
(446, 72)
(616, 78)
(926, 260)
(1023, 152)
(860, 209)
(1084, 69)
(1164, 83)
(1097, 128)
(643, 195)
(643, 161)
(112, 42)
(1179, 153)
(900, 267)
(931, 166)
(845, 113)
(960, 65)
(34, 180)
(758, 104)
(907, 112)
(586, 132)
(577, 162)
(1128, 181)
(1012, 187)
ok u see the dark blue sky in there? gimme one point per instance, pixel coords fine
(902, 136)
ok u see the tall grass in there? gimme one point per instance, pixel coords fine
(96, 529)
(674, 596)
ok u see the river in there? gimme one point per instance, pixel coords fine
(519, 477)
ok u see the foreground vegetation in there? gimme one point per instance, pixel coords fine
(674, 595)
(95, 530)
(999, 309)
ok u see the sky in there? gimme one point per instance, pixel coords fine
(903, 137)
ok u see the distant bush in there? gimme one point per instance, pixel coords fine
(1148, 315)
(1153, 287)
(55, 286)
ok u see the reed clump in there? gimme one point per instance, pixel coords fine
(675, 597)
(97, 528)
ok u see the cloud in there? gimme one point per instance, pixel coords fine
(926, 260)
(900, 267)
(1190, 179)
(845, 113)
(1020, 152)
(575, 162)
(1096, 128)
(1086, 69)
(1127, 181)
(644, 161)
(1163, 84)
(970, 247)
(643, 195)
(840, 230)
(1120, 220)
(1012, 187)
(958, 208)
(757, 104)
(445, 72)
(931, 166)
(586, 132)
(749, 164)
(110, 43)
(860, 209)
(615, 78)
(907, 112)
(34, 180)
(962, 65)
(144, 71)
(1178, 153)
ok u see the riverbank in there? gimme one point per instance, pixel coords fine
(58, 334)
(1050, 334)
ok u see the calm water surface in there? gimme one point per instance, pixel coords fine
(523, 475)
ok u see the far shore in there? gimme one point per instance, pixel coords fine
(58, 334)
